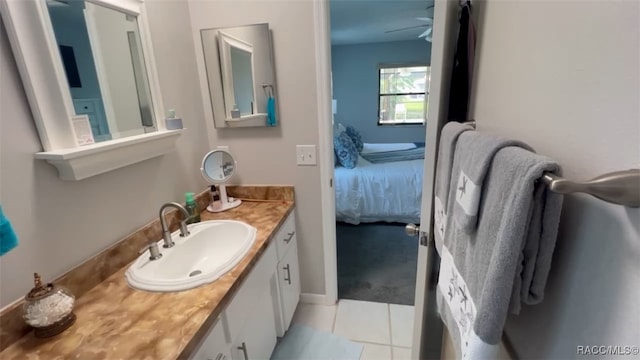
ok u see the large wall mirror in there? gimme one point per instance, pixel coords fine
(88, 70)
(240, 75)
(104, 67)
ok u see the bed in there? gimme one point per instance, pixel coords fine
(379, 192)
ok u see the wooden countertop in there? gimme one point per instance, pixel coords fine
(116, 321)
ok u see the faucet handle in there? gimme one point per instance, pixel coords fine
(153, 249)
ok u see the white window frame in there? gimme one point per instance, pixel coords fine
(33, 42)
(425, 93)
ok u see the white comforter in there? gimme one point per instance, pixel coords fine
(388, 192)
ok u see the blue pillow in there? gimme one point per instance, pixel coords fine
(345, 150)
(355, 138)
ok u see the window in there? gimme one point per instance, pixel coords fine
(402, 94)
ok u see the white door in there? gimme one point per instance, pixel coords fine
(427, 328)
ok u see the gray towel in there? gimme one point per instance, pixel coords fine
(475, 152)
(448, 140)
(515, 239)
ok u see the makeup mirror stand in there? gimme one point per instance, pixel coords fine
(218, 166)
(225, 203)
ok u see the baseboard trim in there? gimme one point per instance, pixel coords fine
(316, 299)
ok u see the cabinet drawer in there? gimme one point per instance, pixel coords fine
(286, 236)
(253, 289)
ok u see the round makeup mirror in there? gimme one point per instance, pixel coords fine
(218, 166)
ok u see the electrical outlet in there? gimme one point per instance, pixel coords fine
(306, 154)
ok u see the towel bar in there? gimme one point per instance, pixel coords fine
(618, 187)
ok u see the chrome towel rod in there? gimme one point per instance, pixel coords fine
(618, 187)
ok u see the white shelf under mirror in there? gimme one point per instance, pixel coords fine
(247, 120)
(47, 86)
(86, 161)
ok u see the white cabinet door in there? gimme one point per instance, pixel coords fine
(257, 339)
(289, 280)
(214, 346)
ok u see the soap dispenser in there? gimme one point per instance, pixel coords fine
(192, 208)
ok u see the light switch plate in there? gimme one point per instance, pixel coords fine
(306, 154)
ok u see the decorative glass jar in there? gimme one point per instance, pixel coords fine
(48, 308)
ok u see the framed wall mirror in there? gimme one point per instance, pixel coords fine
(240, 76)
(89, 73)
(104, 67)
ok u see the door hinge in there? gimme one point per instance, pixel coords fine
(424, 238)
(331, 182)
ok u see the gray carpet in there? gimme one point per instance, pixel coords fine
(376, 262)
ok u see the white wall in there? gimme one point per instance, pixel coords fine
(565, 77)
(267, 155)
(61, 223)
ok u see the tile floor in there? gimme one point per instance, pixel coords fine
(385, 330)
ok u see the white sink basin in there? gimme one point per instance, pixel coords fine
(212, 249)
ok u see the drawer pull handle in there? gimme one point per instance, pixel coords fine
(287, 240)
(288, 277)
(244, 350)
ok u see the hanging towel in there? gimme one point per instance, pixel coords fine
(448, 141)
(474, 153)
(461, 75)
(271, 111)
(515, 239)
(8, 238)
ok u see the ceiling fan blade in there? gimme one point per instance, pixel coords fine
(407, 28)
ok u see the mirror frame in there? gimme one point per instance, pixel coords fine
(34, 47)
(211, 82)
(226, 65)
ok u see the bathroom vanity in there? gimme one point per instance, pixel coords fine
(237, 317)
(263, 306)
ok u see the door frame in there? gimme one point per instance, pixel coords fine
(322, 39)
(444, 36)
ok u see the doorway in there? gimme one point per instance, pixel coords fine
(380, 86)
(380, 81)
(445, 13)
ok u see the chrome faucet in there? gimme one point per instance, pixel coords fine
(166, 235)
